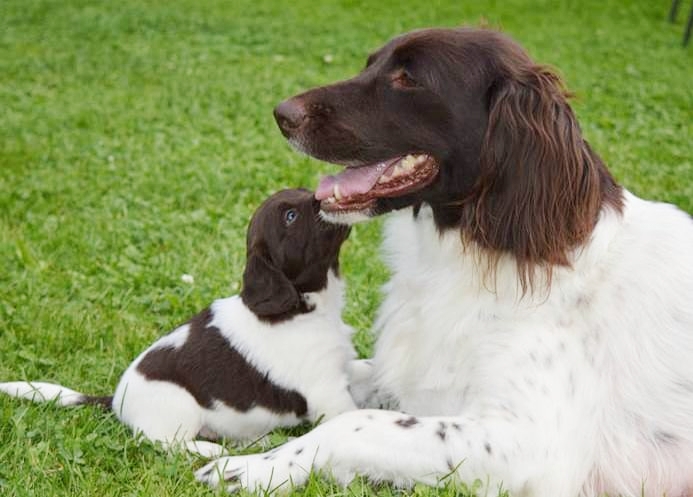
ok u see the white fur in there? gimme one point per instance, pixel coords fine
(349, 217)
(309, 353)
(578, 389)
(38, 391)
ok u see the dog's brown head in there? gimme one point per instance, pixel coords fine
(289, 252)
(465, 121)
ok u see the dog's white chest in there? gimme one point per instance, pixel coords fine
(446, 341)
(422, 355)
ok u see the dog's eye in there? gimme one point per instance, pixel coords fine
(290, 216)
(404, 79)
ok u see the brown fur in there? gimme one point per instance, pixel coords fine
(540, 186)
(516, 176)
(287, 260)
(211, 370)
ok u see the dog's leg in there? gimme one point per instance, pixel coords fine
(205, 449)
(38, 391)
(387, 446)
(362, 386)
(202, 448)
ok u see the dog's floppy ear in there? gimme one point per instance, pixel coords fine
(538, 193)
(267, 292)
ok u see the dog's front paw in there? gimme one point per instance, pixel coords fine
(277, 469)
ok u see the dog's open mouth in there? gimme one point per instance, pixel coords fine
(357, 188)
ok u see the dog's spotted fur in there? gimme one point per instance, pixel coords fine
(537, 329)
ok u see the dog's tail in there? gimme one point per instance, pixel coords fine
(37, 391)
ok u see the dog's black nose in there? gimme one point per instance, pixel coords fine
(290, 115)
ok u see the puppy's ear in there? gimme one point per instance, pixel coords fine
(267, 292)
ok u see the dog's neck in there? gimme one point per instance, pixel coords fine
(414, 245)
(330, 299)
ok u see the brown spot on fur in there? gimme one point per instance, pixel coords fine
(210, 369)
(407, 422)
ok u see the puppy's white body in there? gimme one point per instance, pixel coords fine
(579, 388)
(309, 354)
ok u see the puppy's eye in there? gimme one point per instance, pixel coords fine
(290, 216)
(404, 79)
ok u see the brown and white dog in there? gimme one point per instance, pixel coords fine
(537, 331)
(275, 355)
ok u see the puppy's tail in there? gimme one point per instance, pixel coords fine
(37, 391)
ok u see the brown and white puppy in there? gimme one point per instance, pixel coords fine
(275, 355)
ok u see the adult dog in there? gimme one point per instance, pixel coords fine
(538, 327)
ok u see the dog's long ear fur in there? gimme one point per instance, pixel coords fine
(267, 292)
(539, 191)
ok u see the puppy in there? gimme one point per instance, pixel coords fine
(276, 355)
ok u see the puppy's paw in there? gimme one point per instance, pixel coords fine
(205, 449)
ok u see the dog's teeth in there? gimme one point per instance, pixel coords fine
(337, 193)
(420, 159)
(408, 162)
(330, 200)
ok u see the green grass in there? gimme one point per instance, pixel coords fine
(137, 137)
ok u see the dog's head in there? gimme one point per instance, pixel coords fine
(465, 121)
(289, 252)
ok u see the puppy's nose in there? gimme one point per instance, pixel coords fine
(290, 115)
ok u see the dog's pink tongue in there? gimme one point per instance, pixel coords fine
(351, 181)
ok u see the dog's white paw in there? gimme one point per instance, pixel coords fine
(205, 449)
(280, 468)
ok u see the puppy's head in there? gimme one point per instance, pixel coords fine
(289, 253)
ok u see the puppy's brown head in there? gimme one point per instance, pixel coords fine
(289, 253)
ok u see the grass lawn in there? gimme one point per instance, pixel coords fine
(137, 137)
